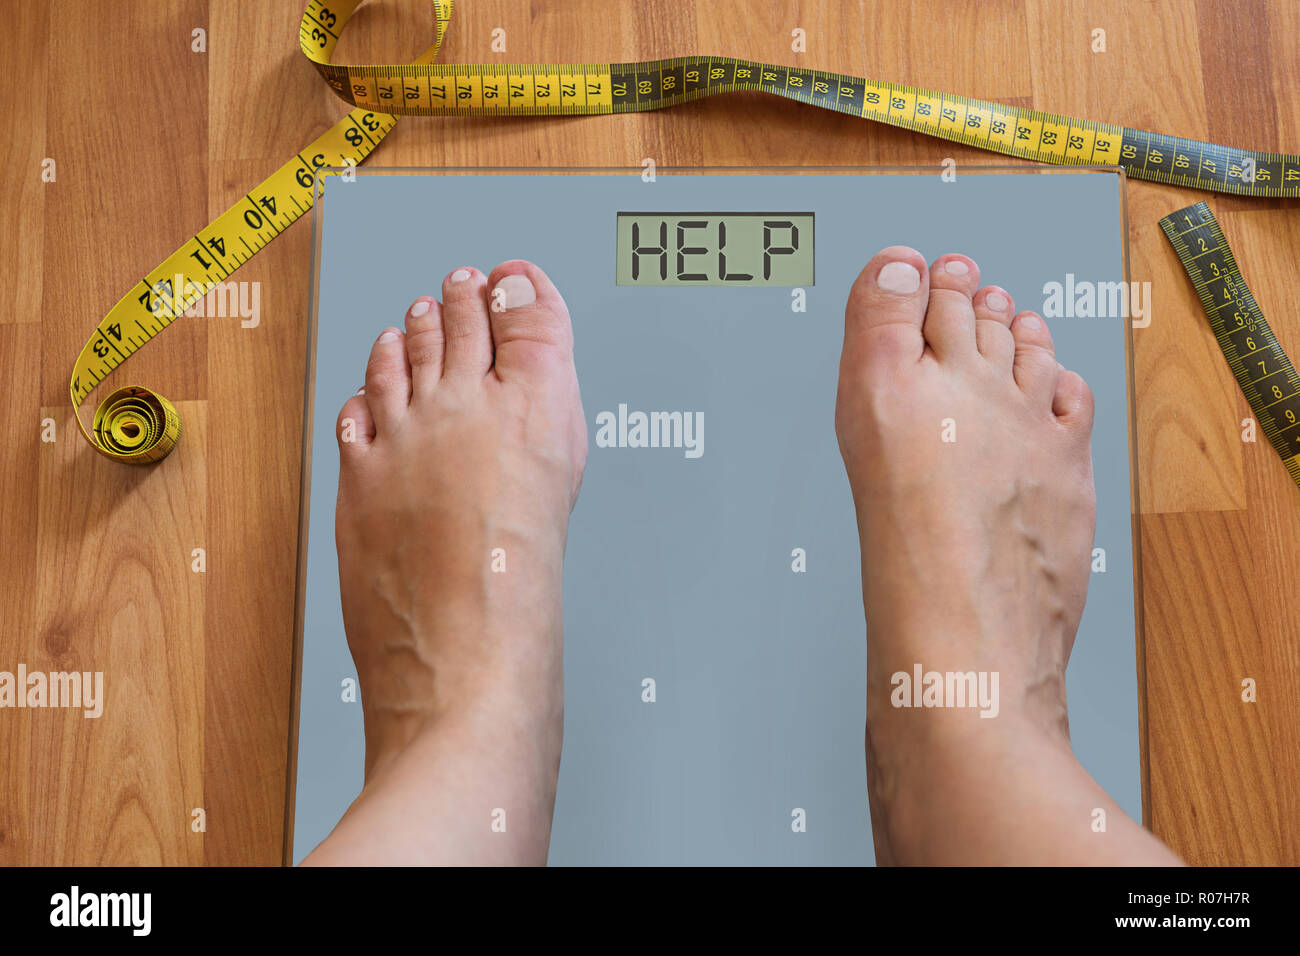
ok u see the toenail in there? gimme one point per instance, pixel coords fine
(956, 267)
(388, 336)
(899, 277)
(512, 292)
(361, 390)
(460, 275)
(995, 301)
(1030, 322)
(419, 308)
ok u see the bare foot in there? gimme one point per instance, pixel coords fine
(967, 448)
(461, 460)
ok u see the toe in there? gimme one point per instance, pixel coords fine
(993, 311)
(530, 322)
(1072, 403)
(355, 427)
(468, 350)
(1035, 367)
(950, 318)
(424, 343)
(388, 380)
(886, 308)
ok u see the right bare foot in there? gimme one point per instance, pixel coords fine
(460, 462)
(967, 448)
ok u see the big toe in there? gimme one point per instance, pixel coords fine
(531, 331)
(886, 309)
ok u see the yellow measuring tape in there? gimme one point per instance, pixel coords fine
(138, 426)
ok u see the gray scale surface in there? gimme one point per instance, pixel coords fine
(680, 569)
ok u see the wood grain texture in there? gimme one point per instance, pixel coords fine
(151, 140)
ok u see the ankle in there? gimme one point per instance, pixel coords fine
(924, 765)
(491, 701)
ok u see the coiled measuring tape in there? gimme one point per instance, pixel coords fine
(1265, 374)
(137, 426)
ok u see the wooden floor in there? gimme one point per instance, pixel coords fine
(151, 140)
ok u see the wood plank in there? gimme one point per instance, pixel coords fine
(116, 594)
(129, 133)
(255, 376)
(20, 461)
(1216, 761)
(23, 85)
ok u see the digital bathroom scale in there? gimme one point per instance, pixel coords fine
(682, 562)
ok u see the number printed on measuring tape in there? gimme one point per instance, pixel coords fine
(427, 89)
(135, 425)
(1263, 370)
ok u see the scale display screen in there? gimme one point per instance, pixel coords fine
(715, 248)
